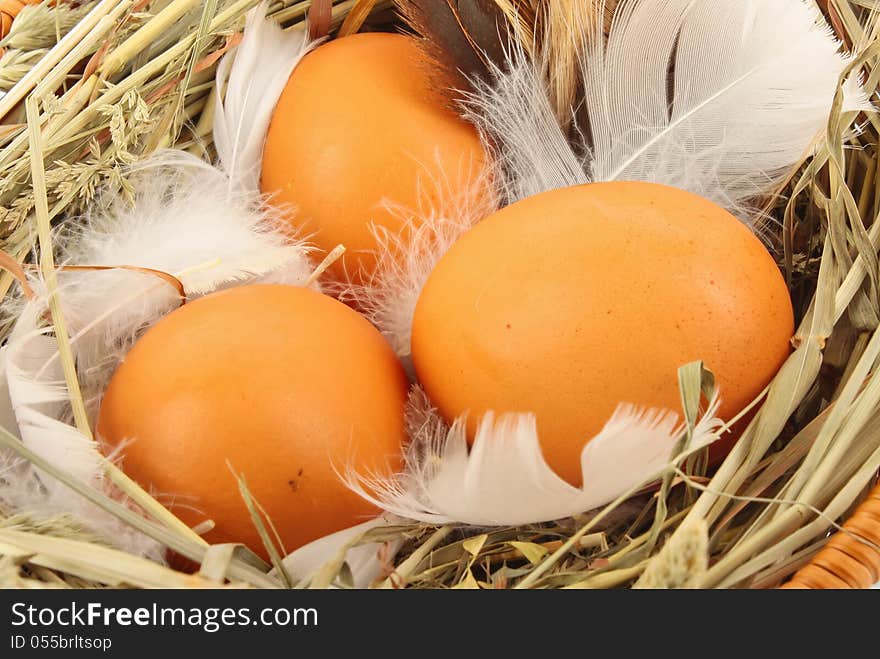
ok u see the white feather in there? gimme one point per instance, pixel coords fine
(38, 401)
(754, 82)
(23, 490)
(530, 152)
(363, 559)
(752, 86)
(505, 480)
(7, 413)
(182, 220)
(254, 74)
(40, 398)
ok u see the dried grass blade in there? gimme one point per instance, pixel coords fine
(152, 29)
(94, 562)
(356, 17)
(239, 569)
(400, 575)
(257, 512)
(93, 24)
(47, 267)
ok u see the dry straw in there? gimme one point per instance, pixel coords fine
(806, 459)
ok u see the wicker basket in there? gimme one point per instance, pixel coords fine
(847, 561)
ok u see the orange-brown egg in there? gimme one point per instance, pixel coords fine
(362, 124)
(281, 382)
(572, 301)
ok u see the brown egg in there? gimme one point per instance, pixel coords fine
(283, 384)
(362, 123)
(573, 301)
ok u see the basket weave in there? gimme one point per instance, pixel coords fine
(851, 559)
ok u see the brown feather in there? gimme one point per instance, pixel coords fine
(465, 36)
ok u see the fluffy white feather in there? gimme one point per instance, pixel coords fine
(40, 398)
(23, 489)
(717, 97)
(531, 154)
(253, 76)
(407, 256)
(504, 480)
(182, 219)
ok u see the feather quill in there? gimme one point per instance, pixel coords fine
(504, 480)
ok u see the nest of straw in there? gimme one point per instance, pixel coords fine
(798, 471)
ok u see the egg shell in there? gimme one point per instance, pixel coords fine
(570, 302)
(362, 124)
(277, 383)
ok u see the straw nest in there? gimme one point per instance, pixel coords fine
(800, 468)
